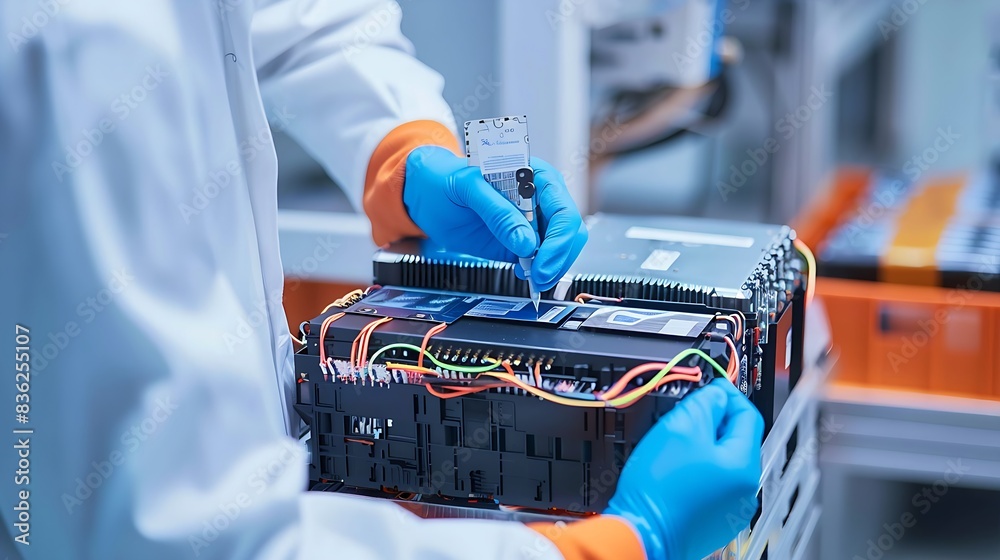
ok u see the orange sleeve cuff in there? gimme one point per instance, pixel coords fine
(601, 537)
(383, 198)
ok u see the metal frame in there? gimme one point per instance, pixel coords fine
(896, 436)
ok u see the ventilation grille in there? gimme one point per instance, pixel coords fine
(481, 277)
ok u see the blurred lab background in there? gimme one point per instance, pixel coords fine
(764, 111)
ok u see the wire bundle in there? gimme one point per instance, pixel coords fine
(486, 377)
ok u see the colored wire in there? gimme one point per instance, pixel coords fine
(580, 298)
(368, 336)
(622, 383)
(354, 346)
(435, 361)
(342, 300)
(511, 378)
(322, 336)
(811, 263)
(737, 323)
(461, 391)
(731, 320)
(634, 396)
(538, 374)
(358, 341)
(427, 337)
(733, 363)
(414, 369)
(652, 384)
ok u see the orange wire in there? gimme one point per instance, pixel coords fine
(354, 347)
(737, 323)
(359, 340)
(367, 340)
(461, 391)
(579, 298)
(414, 369)
(322, 335)
(811, 263)
(620, 385)
(643, 391)
(733, 365)
(513, 380)
(538, 374)
(427, 337)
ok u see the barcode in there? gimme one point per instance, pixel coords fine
(504, 186)
(490, 177)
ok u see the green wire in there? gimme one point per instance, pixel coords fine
(663, 372)
(613, 402)
(440, 364)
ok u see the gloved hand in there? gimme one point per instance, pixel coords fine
(459, 210)
(684, 485)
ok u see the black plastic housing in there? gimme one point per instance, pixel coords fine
(499, 446)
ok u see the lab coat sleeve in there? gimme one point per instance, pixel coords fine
(338, 77)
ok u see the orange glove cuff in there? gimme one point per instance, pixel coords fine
(383, 198)
(602, 537)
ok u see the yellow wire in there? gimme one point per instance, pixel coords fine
(339, 302)
(612, 403)
(518, 383)
(543, 394)
(811, 263)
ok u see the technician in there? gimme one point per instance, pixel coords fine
(139, 250)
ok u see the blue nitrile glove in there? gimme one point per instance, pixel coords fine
(692, 479)
(460, 211)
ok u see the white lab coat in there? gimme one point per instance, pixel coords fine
(138, 242)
